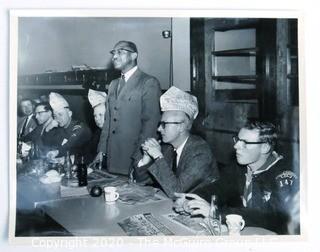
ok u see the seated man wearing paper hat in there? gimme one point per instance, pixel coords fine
(183, 161)
(73, 135)
(97, 100)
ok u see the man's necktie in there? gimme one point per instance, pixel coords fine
(120, 84)
(23, 129)
(247, 193)
(174, 161)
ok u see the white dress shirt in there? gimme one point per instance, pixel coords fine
(128, 74)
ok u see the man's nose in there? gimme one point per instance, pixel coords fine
(237, 145)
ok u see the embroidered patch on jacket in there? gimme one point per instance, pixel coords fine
(266, 196)
(286, 178)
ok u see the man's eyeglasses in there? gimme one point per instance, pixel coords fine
(39, 112)
(237, 139)
(120, 51)
(163, 124)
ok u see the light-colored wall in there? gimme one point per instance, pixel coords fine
(181, 53)
(58, 43)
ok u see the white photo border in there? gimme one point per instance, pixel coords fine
(174, 241)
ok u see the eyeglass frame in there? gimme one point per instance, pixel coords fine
(236, 139)
(163, 124)
(119, 51)
(39, 112)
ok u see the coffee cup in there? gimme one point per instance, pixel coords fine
(110, 194)
(235, 223)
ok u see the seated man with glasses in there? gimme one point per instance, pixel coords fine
(259, 187)
(44, 135)
(183, 161)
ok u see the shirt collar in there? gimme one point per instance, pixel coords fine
(179, 149)
(271, 161)
(129, 73)
(29, 118)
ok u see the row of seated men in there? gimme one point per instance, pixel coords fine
(259, 186)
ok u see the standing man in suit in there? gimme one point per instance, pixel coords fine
(184, 161)
(27, 123)
(133, 110)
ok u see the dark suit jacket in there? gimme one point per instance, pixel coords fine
(130, 119)
(74, 138)
(197, 166)
(32, 124)
(47, 141)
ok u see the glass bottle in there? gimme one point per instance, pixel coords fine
(67, 166)
(214, 219)
(82, 173)
(100, 162)
(32, 151)
(213, 207)
(37, 152)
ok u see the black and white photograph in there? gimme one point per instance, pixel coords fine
(121, 122)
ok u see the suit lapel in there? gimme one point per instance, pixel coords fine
(130, 85)
(113, 87)
(184, 153)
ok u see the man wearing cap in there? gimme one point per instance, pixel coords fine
(133, 110)
(184, 161)
(97, 100)
(73, 135)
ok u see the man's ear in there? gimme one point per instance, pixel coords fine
(265, 148)
(70, 113)
(134, 56)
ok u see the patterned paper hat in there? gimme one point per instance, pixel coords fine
(57, 101)
(176, 99)
(96, 97)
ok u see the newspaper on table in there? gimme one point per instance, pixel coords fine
(194, 224)
(144, 225)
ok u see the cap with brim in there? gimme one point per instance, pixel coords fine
(178, 100)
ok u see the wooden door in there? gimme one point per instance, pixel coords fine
(235, 72)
